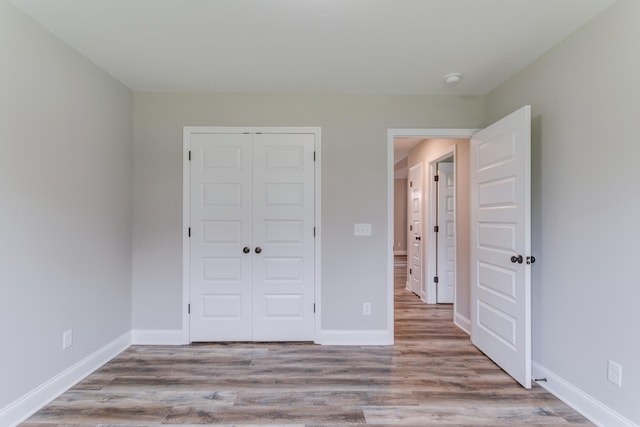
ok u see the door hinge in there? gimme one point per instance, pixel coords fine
(314, 232)
(314, 307)
(436, 178)
(189, 232)
(410, 183)
(188, 308)
(436, 229)
(411, 228)
(314, 156)
(189, 155)
(435, 279)
(410, 271)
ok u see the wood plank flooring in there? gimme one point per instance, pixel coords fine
(433, 376)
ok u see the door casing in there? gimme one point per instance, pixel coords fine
(186, 203)
(392, 134)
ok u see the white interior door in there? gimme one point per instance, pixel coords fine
(283, 271)
(446, 253)
(501, 243)
(221, 227)
(415, 230)
(252, 237)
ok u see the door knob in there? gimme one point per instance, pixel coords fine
(517, 259)
(258, 249)
(246, 249)
(418, 238)
(531, 259)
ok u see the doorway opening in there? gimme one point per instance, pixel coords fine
(432, 151)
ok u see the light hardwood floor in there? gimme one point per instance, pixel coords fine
(432, 376)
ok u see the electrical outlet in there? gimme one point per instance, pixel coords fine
(366, 308)
(614, 373)
(67, 339)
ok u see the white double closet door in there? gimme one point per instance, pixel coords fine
(252, 237)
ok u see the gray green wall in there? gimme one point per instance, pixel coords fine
(65, 206)
(586, 208)
(354, 189)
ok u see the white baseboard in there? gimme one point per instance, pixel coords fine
(593, 409)
(462, 322)
(397, 253)
(156, 336)
(25, 406)
(355, 337)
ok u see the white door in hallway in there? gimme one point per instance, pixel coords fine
(252, 237)
(501, 243)
(415, 246)
(446, 252)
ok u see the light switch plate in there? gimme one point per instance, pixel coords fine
(362, 229)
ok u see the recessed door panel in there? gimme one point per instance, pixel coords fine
(284, 232)
(497, 237)
(500, 281)
(221, 158)
(221, 269)
(281, 269)
(499, 150)
(288, 307)
(221, 194)
(280, 158)
(497, 194)
(222, 306)
(283, 194)
(220, 232)
(498, 324)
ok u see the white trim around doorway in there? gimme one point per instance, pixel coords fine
(392, 134)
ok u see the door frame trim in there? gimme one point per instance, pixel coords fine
(392, 134)
(186, 212)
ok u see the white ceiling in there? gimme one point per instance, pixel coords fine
(312, 46)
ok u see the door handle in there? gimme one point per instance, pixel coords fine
(517, 259)
(531, 259)
(418, 238)
(258, 249)
(246, 249)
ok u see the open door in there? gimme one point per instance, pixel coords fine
(414, 243)
(445, 236)
(501, 243)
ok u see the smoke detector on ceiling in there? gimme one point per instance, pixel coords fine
(452, 78)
